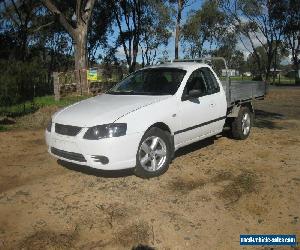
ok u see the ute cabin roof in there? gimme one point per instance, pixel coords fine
(180, 65)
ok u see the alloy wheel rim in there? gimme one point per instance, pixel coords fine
(152, 153)
(246, 123)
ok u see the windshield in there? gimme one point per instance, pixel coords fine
(156, 81)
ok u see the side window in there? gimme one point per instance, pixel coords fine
(211, 81)
(197, 82)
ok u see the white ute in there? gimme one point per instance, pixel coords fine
(145, 118)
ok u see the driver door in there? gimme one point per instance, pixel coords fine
(196, 114)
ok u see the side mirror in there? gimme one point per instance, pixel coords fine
(192, 94)
(195, 93)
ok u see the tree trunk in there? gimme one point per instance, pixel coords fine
(269, 62)
(297, 74)
(258, 61)
(296, 67)
(267, 74)
(79, 36)
(131, 68)
(135, 47)
(177, 31)
(275, 66)
(80, 48)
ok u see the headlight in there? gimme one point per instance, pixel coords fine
(49, 126)
(106, 131)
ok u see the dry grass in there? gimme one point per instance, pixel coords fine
(289, 142)
(114, 213)
(263, 154)
(244, 183)
(256, 209)
(222, 176)
(48, 240)
(186, 185)
(39, 119)
(142, 247)
(138, 233)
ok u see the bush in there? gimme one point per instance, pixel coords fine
(18, 81)
(257, 78)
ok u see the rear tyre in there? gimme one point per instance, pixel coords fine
(154, 153)
(241, 125)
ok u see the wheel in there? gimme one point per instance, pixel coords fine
(154, 153)
(242, 124)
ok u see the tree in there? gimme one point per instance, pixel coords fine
(75, 18)
(21, 20)
(100, 26)
(255, 68)
(290, 20)
(7, 45)
(234, 58)
(181, 5)
(140, 23)
(128, 15)
(33, 45)
(256, 22)
(207, 24)
(20, 70)
(155, 31)
(152, 38)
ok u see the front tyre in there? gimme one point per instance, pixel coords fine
(154, 153)
(242, 124)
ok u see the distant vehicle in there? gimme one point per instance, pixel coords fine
(247, 74)
(145, 118)
(230, 72)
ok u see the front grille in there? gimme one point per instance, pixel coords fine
(68, 155)
(66, 129)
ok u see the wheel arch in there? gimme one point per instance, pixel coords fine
(234, 111)
(163, 126)
(249, 105)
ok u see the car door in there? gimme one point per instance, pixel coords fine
(217, 99)
(200, 116)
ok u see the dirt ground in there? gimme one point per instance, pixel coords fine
(214, 191)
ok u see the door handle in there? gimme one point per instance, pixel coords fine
(212, 105)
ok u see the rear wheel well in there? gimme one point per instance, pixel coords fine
(234, 112)
(249, 105)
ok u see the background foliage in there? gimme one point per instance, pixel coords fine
(38, 37)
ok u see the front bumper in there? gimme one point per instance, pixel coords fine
(120, 151)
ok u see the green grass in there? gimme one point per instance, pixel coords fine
(240, 78)
(3, 128)
(237, 78)
(29, 107)
(283, 80)
(49, 100)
